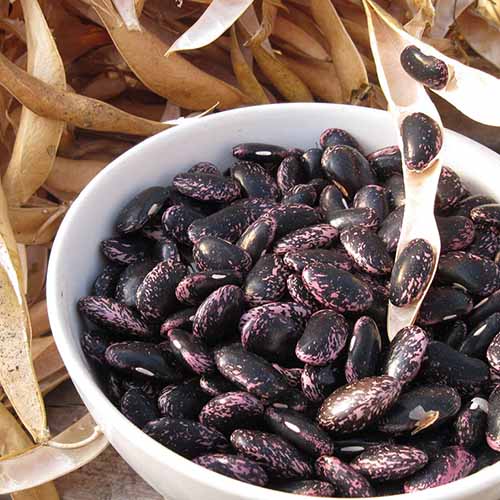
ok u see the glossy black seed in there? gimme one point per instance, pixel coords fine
(406, 353)
(204, 208)
(266, 282)
(486, 242)
(455, 334)
(254, 180)
(182, 318)
(280, 458)
(347, 482)
(311, 161)
(485, 457)
(351, 446)
(390, 229)
(355, 406)
(182, 401)
(125, 249)
(219, 314)
(307, 487)
(140, 209)
(465, 205)
(336, 289)
(477, 341)
(94, 344)
(258, 237)
(298, 260)
(374, 197)
(141, 359)
(216, 384)
(304, 194)
(319, 183)
(483, 309)
(444, 365)
(364, 217)
(165, 250)
(114, 387)
(318, 382)
(424, 406)
(331, 200)
(411, 273)
(367, 250)
(336, 137)
(138, 407)
(260, 153)
(297, 429)
(451, 464)
(429, 70)
(450, 189)
(207, 187)
(176, 221)
(422, 140)
(364, 350)
(396, 187)
(291, 400)
(292, 375)
(493, 353)
(323, 339)
(250, 372)
(348, 168)
(185, 437)
(443, 304)
(306, 238)
(239, 468)
(130, 279)
(204, 167)
(478, 275)
(289, 218)
(290, 173)
(456, 232)
(470, 425)
(386, 162)
(105, 283)
(493, 427)
(191, 352)
(299, 293)
(486, 214)
(212, 253)
(431, 441)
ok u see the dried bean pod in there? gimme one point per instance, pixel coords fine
(493, 428)
(443, 304)
(105, 283)
(308, 487)
(304, 194)
(470, 425)
(386, 162)
(311, 160)
(216, 384)
(415, 409)
(254, 180)
(323, 339)
(280, 458)
(266, 282)
(478, 340)
(486, 214)
(111, 315)
(336, 289)
(353, 407)
(94, 345)
(191, 352)
(292, 217)
(390, 229)
(130, 280)
(306, 238)
(300, 431)
(318, 382)
(207, 187)
(299, 259)
(389, 462)
(212, 253)
(250, 372)
(258, 237)
(450, 189)
(364, 217)
(126, 249)
(260, 153)
(290, 173)
(493, 353)
(239, 468)
(141, 359)
(364, 350)
(483, 309)
(428, 70)
(347, 481)
(231, 410)
(406, 354)
(181, 319)
(411, 273)
(337, 136)
(138, 407)
(182, 401)
(452, 463)
(422, 141)
(176, 221)
(456, 232)
(204, 167)
(185, 437)
(367, 250)
(299, 293)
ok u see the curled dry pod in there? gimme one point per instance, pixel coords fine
(493, 429)
(346, 480)
(367, 250)
(389, 462)
(258, 237)
(429, 70)
(239, 468)
(406, 353)
(323, 339)
(479, 339)
(353, 407)
(212, 253)
(364, 350)
(411, 273)
(279, 457)
(185, 437)
(318, 382)
(254, 180)
(182, 401)
(470, 425)
(451, 464)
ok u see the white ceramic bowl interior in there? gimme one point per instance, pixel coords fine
(75, 261)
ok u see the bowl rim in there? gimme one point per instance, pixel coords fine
(488, 476)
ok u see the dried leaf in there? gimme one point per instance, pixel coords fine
(305, 21)
(347, 60)
(251, 26)
(406, 96)
(13, 439)
(489, 10)
(219, 16)
(105, 86)
(39, 319)
(446, 13)
(286, 30)
(14, 26)
(128, 13)
(38, 138)
(173, 78)
(244, 74)
(44, 463)
(269, 13)
(422, 18)
(84, 112)
(21, 251)
(37, 271)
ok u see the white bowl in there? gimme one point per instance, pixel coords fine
(75, 261)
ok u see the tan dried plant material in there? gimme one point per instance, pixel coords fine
(305, 21)
(489, 10)
(219, 16)
(430, 418)
(52, 382)
(346, 58)
(39, 318)
(38, 138)
(405, 97)
(78, 110)
(269, 13)
(105, 86)
(38, 257)
(13, 439)
(251, 25)
(171, 77)
(446, 13)
(128, 12)
(48, 362)
(21, 250)
(423, 17)
(247, 80)
(40, 345)
(46, 463)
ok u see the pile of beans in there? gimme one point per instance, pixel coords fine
(240, 321)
